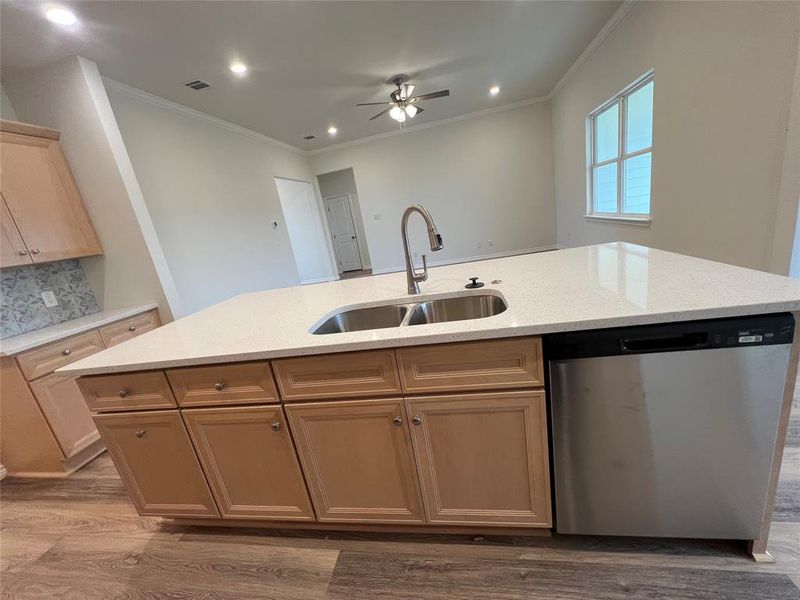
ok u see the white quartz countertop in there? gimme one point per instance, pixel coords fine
(26, 341)
(591, 287)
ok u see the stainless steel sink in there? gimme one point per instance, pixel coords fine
(476, 306)
(457, 309)
(360, 319)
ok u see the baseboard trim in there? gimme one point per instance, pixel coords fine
(466, 259)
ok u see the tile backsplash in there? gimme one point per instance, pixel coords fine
(21, 288)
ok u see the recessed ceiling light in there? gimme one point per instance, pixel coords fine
(494, 90)
(332, 130)
(60, 16)
(239, 68)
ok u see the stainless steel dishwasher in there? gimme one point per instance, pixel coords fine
(667, 430)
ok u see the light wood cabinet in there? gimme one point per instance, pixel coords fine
(46, 359)
(357, 459)
(372, 373)
(483, 458)
(13, 252)
(248, 457)
(157, 463)
(468, 366)
(129, 328)
(67, 414)
(41, 196)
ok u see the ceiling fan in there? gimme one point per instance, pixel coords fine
(401, 103)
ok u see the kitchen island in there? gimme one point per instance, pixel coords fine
(240, 414)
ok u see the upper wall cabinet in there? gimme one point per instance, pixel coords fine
(48, 220)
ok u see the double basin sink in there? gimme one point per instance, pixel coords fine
(461, 308)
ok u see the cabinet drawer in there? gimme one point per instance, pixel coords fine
(347, 375)
(480, 365)
(46, 359)
(128, 391)
(127, 329)
(245, 383)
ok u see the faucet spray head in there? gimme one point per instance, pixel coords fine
(435, 239)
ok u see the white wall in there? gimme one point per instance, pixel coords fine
(343, 182)
(69, 96)
(211, 191)
(6, 109)
(723, 79)
(301, 212)
(483, 178)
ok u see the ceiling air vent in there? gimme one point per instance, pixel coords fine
(197, 84)
(309, 137)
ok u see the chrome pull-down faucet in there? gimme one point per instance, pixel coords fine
(412, 277)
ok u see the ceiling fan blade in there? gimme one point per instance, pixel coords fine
(419, 110)
(431, 96)
(406, 91)
(383, 112)
(373, 104)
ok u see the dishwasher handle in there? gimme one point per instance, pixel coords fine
(684, 341)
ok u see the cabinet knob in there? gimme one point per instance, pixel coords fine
(397, 421)
(132, 328)
(35, 251)
(23, 252)
(276, 426)
(66, 352)
(124, 393)
(219, 386)
(140, 433)
(416, 420)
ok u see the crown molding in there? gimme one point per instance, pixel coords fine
(598, 40)
(136, 93)
(423, 126)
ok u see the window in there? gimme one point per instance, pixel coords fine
(620, 151)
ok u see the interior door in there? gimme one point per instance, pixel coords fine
(42, 196)
(343, 230)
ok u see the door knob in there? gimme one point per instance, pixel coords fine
(35, 251)
(66, 352)
(124, 393)
(140, 433)
(219, 386)
(276, 426)
(416, 420)
(397, 421)
(132, 328)
(23, 252)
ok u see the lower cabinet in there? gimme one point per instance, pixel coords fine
(67, 414)
(248, 456)
(157, 463)
(483, 458)
(358, 460)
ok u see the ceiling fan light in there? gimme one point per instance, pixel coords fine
(398, 114)
(411, 111)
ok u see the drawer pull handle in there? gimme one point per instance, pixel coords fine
(67, 352)
(124, 393)
(132, 328)
(276, 426)
(219, 386)
(416, 420)
(397, 421)
(23, 252)
(140, 433)
(35, 251)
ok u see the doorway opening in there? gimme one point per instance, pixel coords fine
(306, 232)
(345, 223)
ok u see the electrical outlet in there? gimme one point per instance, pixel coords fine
(479, 245)
(49, 299)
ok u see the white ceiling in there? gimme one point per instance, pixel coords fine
(311, 62)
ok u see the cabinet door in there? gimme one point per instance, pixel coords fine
(44, 200)
(357, 459)
(483, 458)
(12, 249)
(248, 456)
(67, 414)
(157, 463)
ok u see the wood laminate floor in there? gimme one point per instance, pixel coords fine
(81, 538)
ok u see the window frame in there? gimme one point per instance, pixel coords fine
(620, 99)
